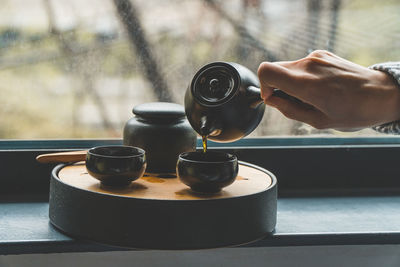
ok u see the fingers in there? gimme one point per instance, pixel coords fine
(276, 75)
(266, 92)
(273, 75)
(333, 58)
(300, 112)
(322, 54)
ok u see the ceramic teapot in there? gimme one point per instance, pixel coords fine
(223, 101)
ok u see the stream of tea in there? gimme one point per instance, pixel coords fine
(204, 138)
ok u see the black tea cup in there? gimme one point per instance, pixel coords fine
(207, 172)
(116, 165)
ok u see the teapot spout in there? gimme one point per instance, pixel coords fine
(208, 127)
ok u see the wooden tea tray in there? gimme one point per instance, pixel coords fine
(155, 212)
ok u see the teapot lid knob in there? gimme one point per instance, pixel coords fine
(159, 110)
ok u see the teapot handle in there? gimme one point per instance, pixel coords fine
(254, 95)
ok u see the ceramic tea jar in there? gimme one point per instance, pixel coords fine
(162, 130)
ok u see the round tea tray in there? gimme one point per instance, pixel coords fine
(162, 213)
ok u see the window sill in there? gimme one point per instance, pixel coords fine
(25, 227)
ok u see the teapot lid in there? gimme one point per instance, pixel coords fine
(159, 110)
(215, 83)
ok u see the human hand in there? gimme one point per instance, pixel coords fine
(335, 92)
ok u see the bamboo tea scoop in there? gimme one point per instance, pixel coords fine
(62, 157)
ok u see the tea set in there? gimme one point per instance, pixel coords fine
(222, 104)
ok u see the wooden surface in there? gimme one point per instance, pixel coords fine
(62, 157)
(249, 181)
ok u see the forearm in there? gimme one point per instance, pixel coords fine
(393, 69)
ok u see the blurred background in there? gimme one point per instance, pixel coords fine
(75, 69)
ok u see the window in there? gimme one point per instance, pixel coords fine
(68, 69)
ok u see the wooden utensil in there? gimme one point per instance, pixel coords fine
(62, 157)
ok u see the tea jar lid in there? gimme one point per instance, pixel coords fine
(160, 110)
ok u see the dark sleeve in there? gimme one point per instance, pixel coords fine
(393, 69)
